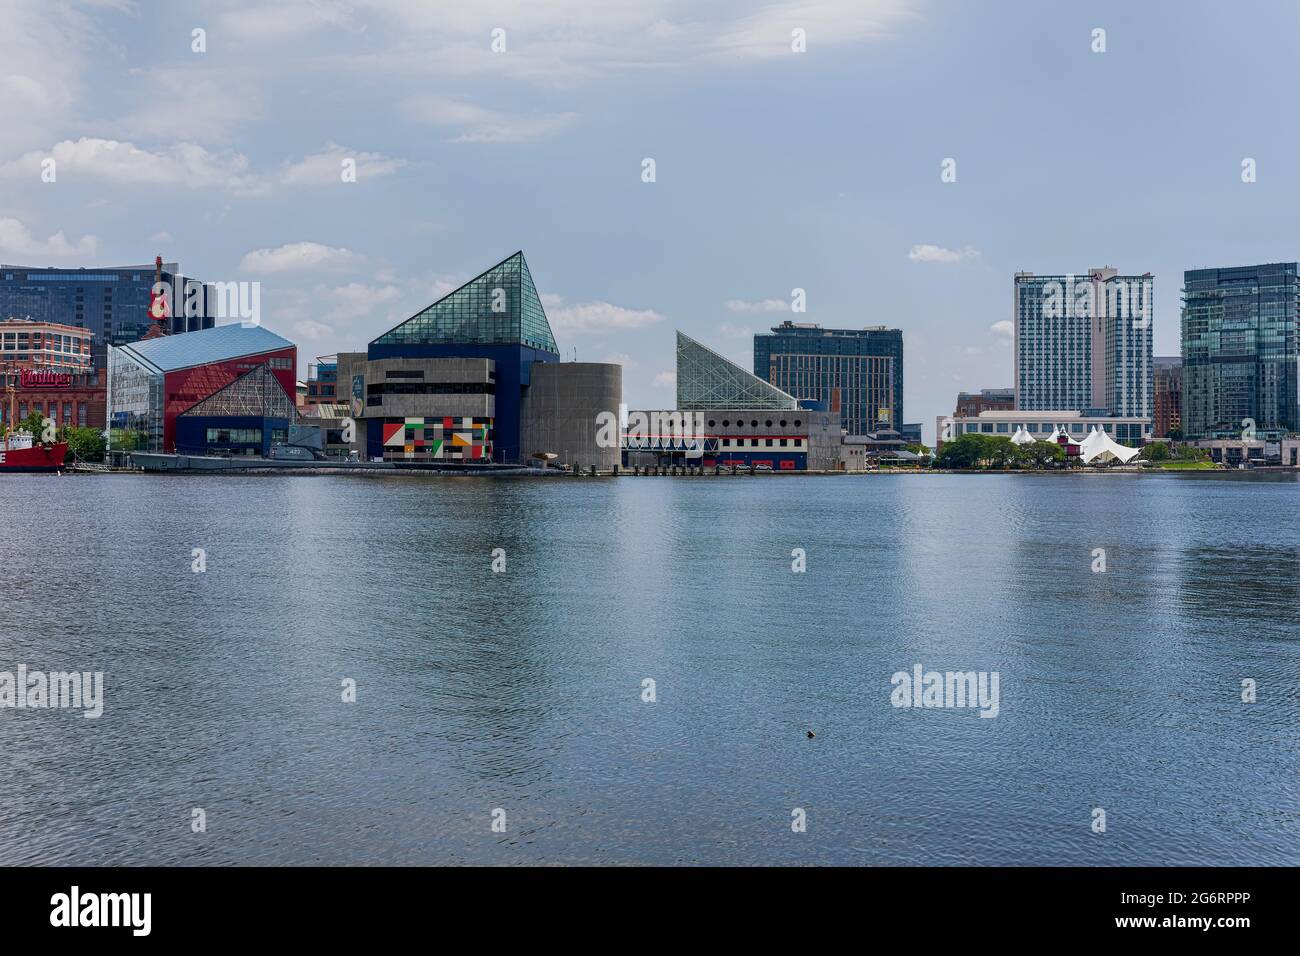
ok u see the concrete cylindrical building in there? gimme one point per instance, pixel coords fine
(561, 413)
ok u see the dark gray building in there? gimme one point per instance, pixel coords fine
(112, 302)
(1240, 351)
(861, 370)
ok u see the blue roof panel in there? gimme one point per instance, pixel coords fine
(218, 344)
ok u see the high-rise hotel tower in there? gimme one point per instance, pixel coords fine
(1083, 342)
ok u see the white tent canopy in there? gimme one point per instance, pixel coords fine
(1099, 446)
(1022, 437)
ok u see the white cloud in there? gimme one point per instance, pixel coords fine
(727, 330)
(621, 358)
(564, 42)
(43, 58)
(354, 300)
(17, 240)
(108, 160)
(326, 167)
(481, 125)
(312, 330)
(298, 257)
(286, 18)
(599, 317)
(760, 305)
(767, 32)
(163, 236)
(665, 380)
(193, 103)
(929, 253)
(1004, 329)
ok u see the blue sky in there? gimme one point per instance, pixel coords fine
(774, 170)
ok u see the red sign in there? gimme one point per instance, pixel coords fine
(43, 378)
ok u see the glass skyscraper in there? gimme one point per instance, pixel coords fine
(1239, 329)
(861, 369)
(1083, 343)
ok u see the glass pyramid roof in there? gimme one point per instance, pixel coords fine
(255, 394)
(499, 307)
(707, 380)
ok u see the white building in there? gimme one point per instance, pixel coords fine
(1124, 429)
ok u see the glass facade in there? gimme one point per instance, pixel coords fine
(707, 380)
(135, 400)
(1239, 335)
(499, 307)
(861, 368)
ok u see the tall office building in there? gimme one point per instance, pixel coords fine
(112, 302)
(1084, 342)
(861, 370)
(1240, 350)
(1169, 395)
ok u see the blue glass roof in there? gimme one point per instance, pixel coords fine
(218, 344)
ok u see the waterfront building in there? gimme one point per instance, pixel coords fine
(50, 345)
(910, 432)
(322, 382)
(1168, 395)
(1237, 451)
(477, 376)
(985, 400)
(884, 447)
(798, 439)
(224, 390)
(729, 417)
(1240, 351)
(857, 371)
(111, 302)
(48, 367)
(1043, 423)
(1084, 342)
(323, 428)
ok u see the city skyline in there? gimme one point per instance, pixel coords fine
(775, 170)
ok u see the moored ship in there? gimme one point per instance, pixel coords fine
(19, 453)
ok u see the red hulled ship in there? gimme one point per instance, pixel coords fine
(19, 453)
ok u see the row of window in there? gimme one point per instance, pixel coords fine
(727, 443)
(71, 410)
(234, 436)
(726, 423)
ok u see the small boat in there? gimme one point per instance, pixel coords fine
(19, 453)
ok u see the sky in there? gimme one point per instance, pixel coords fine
(774, 169)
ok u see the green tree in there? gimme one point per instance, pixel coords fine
(977, 451)
(33, 424)
(84, 444)
(1155, 451)
(1042, 454)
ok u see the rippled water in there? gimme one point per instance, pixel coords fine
(522, 690)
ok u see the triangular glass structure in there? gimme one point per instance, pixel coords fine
(499, 307)
(255, 394)
(707, 380)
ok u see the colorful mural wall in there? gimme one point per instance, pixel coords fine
(424, 439)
